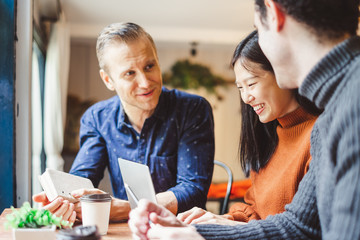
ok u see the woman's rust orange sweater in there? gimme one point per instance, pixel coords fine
(275, 185)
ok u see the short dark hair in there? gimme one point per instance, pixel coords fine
(329, 19)
(258, 140)
(121, 32)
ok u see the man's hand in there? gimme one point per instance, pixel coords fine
(175, 233)
(147, 211)
(59, 207)
(119, 209)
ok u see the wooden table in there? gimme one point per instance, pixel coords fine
(116, 230)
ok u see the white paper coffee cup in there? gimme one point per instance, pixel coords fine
(95, 210)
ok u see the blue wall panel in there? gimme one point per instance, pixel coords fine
(7, 99)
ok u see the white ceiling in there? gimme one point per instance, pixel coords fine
(206, 21)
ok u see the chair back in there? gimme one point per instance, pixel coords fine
(225, 204)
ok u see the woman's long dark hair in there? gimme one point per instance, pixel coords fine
(258, 140)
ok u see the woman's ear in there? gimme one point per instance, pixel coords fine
(276, 15)
(107, 80)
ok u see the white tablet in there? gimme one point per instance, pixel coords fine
(57, 183)
(138, 177)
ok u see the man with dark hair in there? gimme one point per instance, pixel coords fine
(170, 131)
(311, 45)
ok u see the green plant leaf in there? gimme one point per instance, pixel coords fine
(33, 218)
(187, 75)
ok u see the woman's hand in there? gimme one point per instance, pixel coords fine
(59, 207)
(200, 216)
(189, 216)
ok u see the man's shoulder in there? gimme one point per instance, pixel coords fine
(106, 107)
(350, 90)
(343, 109)
(352, 75)
(351, 96)
(354, 71)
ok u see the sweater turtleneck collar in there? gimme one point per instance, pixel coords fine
(323, 79)
(294, 118)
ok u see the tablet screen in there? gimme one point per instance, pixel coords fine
(138, 177)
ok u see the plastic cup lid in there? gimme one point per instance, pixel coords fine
(103, 197)
(79, 233)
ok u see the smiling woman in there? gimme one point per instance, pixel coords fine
(274, 140)
(258, 88)
(275, 134)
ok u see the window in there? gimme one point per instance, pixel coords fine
(37, 114)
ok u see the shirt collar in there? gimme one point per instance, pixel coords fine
(122, 117)
(160, 111)
(161, 108)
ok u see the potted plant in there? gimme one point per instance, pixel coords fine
(31, 223)
(187, 75)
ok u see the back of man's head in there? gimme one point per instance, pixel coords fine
(119, 32)
(330, 19)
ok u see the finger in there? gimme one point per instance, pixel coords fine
(159, 220)
(137, 231)
(167, 221)
(204, 218)
(136, 237)
(166, 233)
(134, 227)
(139, 222)
(158, 214)
(194, 215)
(147, 206)
(72, 217)
(79, 215)
(54, 205)
(85, 191)
(156, 232)
(184, 215)
(62, 209)
(69, 212)
(173, 233)
(77, 206)
(77, 209)
(41, 198)
(203, 221)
